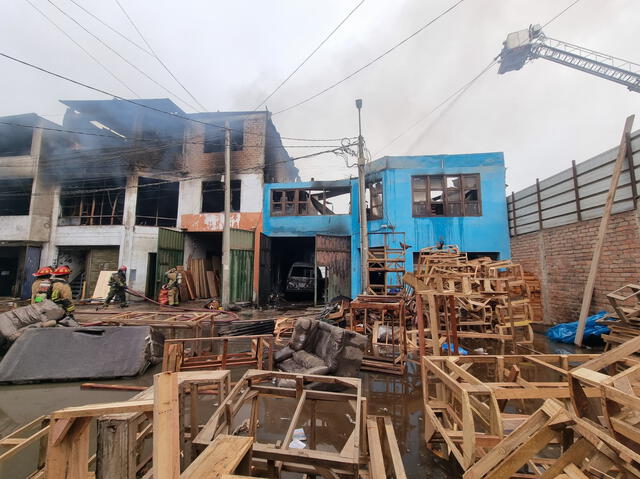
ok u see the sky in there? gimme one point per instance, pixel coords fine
(231, 54)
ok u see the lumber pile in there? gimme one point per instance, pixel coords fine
(541, 416)
(201, 279)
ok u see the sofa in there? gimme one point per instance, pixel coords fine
(319, 348)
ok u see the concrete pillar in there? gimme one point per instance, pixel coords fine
(129, 221)
(49, 249)
(189, 198)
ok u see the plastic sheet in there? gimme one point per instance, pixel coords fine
(566, 332)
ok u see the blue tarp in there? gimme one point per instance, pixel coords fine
(566, 332)
(461, 350)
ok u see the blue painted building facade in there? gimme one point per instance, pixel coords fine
(479, 226)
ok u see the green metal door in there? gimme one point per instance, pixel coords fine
(241, 282)
(170, 253)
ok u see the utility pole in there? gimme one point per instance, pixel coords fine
(362, 206)
(226, 233)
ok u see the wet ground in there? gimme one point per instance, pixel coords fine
(399, 397)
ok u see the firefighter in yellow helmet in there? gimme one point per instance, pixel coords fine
(174, 280)
(41, 285)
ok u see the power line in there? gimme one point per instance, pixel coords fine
(153, 140)
(560, 13)
(138, 46)
(309, 56)
(149, 107)
(106, 45)
(465, 87)
(158, 58)
(82, 48)
(379, 57)
(459, 91)
(195, 177)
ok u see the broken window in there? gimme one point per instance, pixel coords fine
(157, 203)
(311, 202)
(15, 141)
(213, 196)
(15, 197)
(446, 195)
(92, 202)
(373, 195)
(214, 137)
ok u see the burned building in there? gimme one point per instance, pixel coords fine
(128, 183)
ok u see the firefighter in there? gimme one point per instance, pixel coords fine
(117, 287)
(41, 285)
(174, 280)
(60, 290)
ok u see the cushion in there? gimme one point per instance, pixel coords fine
(308, 360)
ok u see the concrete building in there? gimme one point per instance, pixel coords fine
(128, 184)
(418, 201)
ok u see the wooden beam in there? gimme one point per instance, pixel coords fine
(166, 427)
(597, 252)
(93, 410)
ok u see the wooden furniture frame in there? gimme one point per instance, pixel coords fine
(275, 457)
(464, 409)
(193, 354)
(388, 355)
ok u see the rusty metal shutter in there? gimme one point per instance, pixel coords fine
(334, 253)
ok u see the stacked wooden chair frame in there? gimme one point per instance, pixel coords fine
(624, 324)
(578, 418)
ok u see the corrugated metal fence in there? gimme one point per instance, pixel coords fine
(577, 193)
(241, 283)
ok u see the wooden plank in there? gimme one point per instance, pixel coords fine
(220, 457)
(575, 454)
(376, 462)
(593, 271)
(92, 410)
(102, 285)
(396, 457)
(166, 427)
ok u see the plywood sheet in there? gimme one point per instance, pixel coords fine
(102, 285)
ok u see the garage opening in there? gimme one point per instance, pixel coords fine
(292, 269)
(86, 263)
(11, 260)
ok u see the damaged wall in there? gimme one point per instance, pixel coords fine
(561, 258)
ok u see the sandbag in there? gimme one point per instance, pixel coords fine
(13, 321)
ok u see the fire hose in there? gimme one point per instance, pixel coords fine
(141, 295)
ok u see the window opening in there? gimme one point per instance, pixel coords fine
(446, 195)
(15, 197)
(213, 196)
(311, 202)
(373, 196)
(92, 202)
(157, 202)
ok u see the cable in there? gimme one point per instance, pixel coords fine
(83, 49)
(203, 176)
(149, 107)
(140, 47)
(309, 56)
(120, 56)
(153, 140)
(379, 57)
(158, 58)
(460, 90)
(560, 14)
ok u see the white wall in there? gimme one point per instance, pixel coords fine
(251, 192)
(14, 228)
(145, 241)
(189, 198)
(88, 235)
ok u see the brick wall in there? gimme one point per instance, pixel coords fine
(561, 258)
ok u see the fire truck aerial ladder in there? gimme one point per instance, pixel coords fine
(525, 45)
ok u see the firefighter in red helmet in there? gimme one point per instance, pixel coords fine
(41, 285)
(117, 287)
(61, 290)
